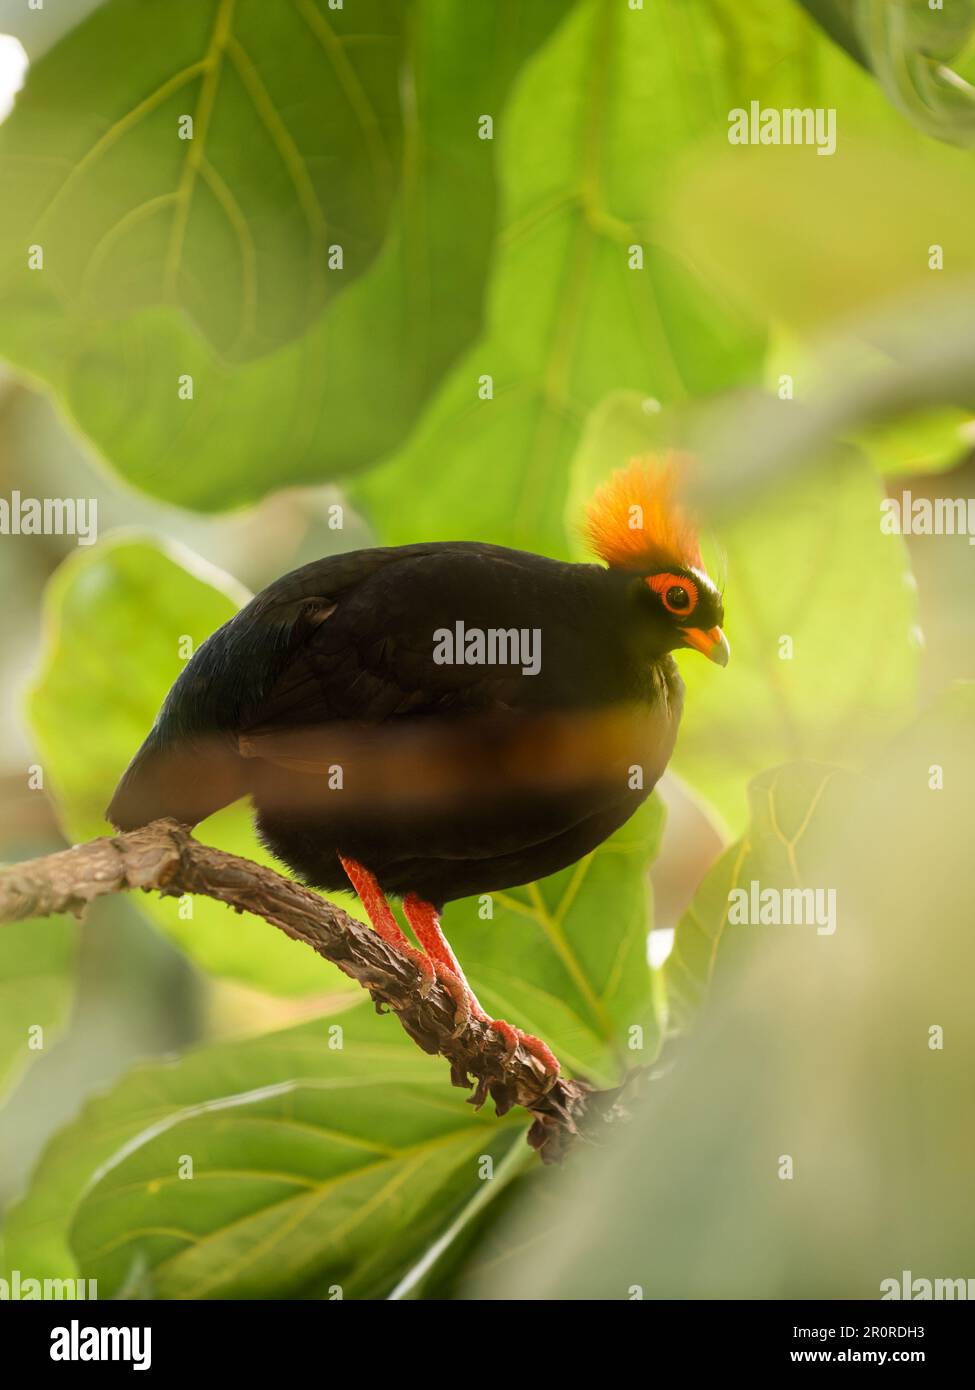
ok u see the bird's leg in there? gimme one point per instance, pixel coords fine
(380, 914)
(424, 918)
(425, 921)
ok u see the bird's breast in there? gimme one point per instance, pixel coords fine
(472, 767)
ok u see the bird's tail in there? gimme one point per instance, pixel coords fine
(187, 780)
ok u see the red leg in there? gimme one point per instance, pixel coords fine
(425, 921)
(381, 916)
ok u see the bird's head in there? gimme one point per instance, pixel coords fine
(637, 525)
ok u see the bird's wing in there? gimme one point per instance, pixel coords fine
(367, 654)
(265, 669)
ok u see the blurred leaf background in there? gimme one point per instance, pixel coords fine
(432, 270)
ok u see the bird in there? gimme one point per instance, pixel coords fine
(432, 721)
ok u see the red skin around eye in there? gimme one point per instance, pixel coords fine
(660, 583)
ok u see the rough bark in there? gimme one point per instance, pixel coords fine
(165, 858)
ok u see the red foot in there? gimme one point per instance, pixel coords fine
(461, 995)
(513, 1036)
(425, 921)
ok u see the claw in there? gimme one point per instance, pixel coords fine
(508, 1033)
(424, 918)
(426, 968)
(380, 915)
(461, 997)
(538, 1049)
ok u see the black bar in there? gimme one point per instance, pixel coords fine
(283, 1336)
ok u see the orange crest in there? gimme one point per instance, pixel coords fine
(634, 521)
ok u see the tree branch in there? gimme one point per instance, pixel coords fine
(164, 857)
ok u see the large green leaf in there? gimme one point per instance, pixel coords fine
(581, 981)
(36, 989)
(590, 140)
(116, 617)
(816, 1138)
(792, 810)
(342, 386)
(313, 1165)
(294, 146)
(809, 564)
(566, 958)
(923, 57)
(929, 442)
(793, 813)
(843, 231)
(837, 19)
(861, 255)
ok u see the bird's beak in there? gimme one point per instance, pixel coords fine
(713, 644)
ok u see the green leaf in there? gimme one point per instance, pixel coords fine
(795, 560)
(928, 442)
(342, 386)
(37, 961)
(473, 1243)
(579, 938)
(318, 1158)
(826, 1089)
(591, 136)
(845, 232)
(836, 19)
(293, 146)
(922, 434)
(922, 57)
(434, 1274)
(793, 811)
(117, 618)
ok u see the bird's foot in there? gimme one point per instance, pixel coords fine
(424, 918)
(428, 972)
(513, 1036)
(459, 993)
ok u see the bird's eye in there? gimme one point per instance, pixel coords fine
(676, 592)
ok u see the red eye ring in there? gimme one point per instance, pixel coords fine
(663, 583)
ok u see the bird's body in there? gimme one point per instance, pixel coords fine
(434, 721)
(282, 679)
